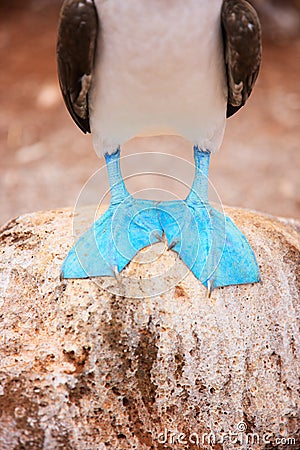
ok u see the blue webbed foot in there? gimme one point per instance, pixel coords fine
(207, 241)
(114, 239)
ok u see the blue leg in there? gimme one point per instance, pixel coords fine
(125, 228)
(207, 241)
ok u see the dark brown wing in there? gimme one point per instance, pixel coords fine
(242, 46)
(76, 48)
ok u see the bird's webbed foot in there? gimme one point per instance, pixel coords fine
(113, 240)
(126, 227)
(208, 242)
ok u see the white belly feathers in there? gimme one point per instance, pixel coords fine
(159, 70)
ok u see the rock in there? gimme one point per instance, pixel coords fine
(85, 365)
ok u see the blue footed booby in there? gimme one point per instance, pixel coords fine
(155, 67)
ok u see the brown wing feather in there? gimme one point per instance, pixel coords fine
(242, 47)
(76, 48)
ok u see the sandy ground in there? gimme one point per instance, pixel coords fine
(46, 160)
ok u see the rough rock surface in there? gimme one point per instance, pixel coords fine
(85, 365)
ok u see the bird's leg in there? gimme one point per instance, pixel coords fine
(118, 191)
(210, 223)
(198, 195)
(187, 223)
(207, 241)
(126, 227)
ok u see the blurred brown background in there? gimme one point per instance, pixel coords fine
(45, 159)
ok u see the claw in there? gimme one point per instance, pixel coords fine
(210, 288)
(116, 273)
(173, 244)
(159, 237)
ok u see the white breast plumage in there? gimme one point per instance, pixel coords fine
(160, 70)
